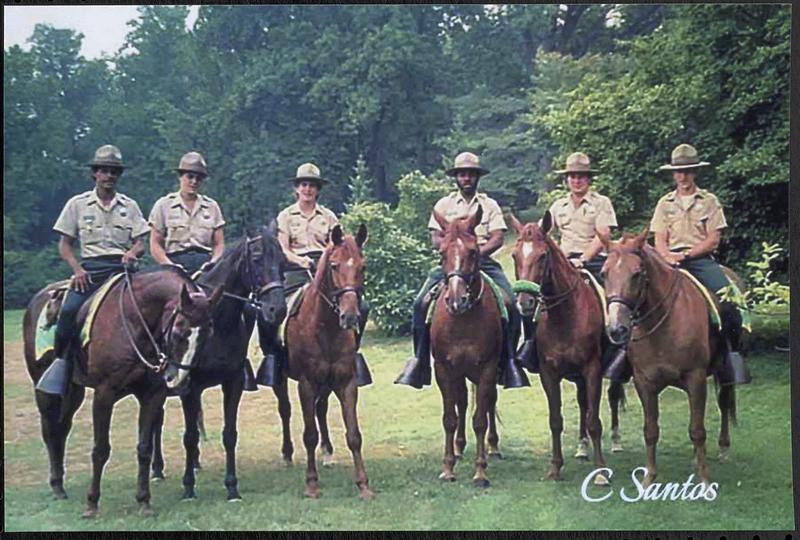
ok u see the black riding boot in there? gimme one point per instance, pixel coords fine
(269, 372)
(417, 371)
(733, 369)
(526, 355)
(363, 376)
(55, 379)
(510, 373)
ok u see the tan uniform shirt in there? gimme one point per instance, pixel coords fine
(306, 234)
(183, 228)
(685, 227)
(578, 226)
(102, 230)
(454, 206)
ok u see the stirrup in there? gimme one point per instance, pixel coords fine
(55, 378)
(527, 356)
(513, 376)
(363, 376)
(734, 370)
(269, 370)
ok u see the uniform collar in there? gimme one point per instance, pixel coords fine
(589, 198)
(295, 209)
(178, 201)
(459, 198)
(699, 193)
(95, 199)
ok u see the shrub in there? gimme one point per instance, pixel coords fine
(26, 272)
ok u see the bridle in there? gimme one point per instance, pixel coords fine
(635, 306)
(548, 301)
(336, 294)
(468, 279)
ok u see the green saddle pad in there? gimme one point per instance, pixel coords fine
(498, 296)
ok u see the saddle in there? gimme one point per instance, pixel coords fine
(713, 310)
(434, 293)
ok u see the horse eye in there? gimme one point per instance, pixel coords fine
(334, 265)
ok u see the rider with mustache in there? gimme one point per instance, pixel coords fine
(110, 228)
(467, 172)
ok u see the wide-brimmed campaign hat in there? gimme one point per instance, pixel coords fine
(466, 161)
(577, 162)
(684, 157)
(107, 155)
(192, 162)
(308, 171)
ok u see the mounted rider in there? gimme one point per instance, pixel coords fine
(303, 232)
(467, 172)
(688, 224)
(110, 228)
(186, 227)
(581, 218)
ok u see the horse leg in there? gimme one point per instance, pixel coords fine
(348, 397)
(310, 435)
(493, 438)
(102, 407)
(158, 455)
(55, 429)
(231, 396)
(582, 450)
(648, 395)
(201, 426)
(552, 389)
(281, 391)
(594, 391)
(462, 401)
(726, 400)
(616, 396)
(151, 405)
(191, 439)
(448, 389)
(322, 423)
(486, 394)
(696, 387)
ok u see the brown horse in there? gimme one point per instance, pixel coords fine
(321, 346)
(568, 334)
(466, 343)
(122, 358)
(664, 320)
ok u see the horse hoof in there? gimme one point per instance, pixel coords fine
(553, 475)
(366, 494)
(724, 455)
(495, 454)
(157, 476)
(147, 511)
(447, 477)
(235, 498)
(90, 513)
(312, 493)
(189, 495)
(59, 494)
(582, 450)
(601, 480)
(458, 457)
(327, 460)
(616, 447)
(481, 482)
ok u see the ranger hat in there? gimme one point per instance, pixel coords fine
(577, 162)
(107, 155)
(466, 161)
(684, 157)
(192, 162)
(308, 171)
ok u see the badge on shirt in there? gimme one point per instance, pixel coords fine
(123, 212)
(206, 216)
(89, 219)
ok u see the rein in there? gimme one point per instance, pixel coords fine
(548, 301)
(336, 293)
(469, 279)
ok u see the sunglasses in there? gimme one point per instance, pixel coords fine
(194, 176)
(114, 171)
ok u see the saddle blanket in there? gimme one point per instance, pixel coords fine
(712, 305)
(498, 296)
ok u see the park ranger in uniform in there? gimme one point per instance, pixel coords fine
(110, 228)
(187, 226)
(461, 203)
(688, 224)
(303, 231)
(581, 218)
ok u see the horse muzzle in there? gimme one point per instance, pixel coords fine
(526, 304)
(349, 321)
(620, 322)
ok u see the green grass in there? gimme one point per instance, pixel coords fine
(403, 435)
(12, 324)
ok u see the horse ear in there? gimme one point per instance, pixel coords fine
(641, 239)
(516, 224)
(361, 235)
(476, 218)
(272, 228)
(216, 296)
(337, 235)
(547, 222)
(440, 219)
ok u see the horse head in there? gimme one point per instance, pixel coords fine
(341, 268)
(625, 283)
(265, 273)
(184, 319)
(460, 259)
(532, 261)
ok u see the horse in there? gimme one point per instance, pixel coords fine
(569, 337)
(252, 267)
(118, 363)
(663, 318)
(466, 343)
(321, 349)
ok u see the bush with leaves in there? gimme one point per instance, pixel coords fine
(26, 272)
(763, 290)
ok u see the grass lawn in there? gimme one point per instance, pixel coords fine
(403, 441)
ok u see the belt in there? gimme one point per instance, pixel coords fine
(191, 250)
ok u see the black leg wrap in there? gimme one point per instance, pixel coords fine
(417, 371)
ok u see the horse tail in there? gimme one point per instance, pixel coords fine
(616, 394)
(726, 399)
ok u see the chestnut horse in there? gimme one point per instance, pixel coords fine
(252, 268)
(466, 342)
(568, 334)
(123, 357)
(664, 319)
(321, 347)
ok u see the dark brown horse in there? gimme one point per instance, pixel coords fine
(123, 357)
(250, 269)
(568, 334)
(466, 342)
(321, 346)
(664, 319)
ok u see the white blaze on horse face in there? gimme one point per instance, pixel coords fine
(618, 315)
(188, 358)
(349, 262)
(527, 249)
